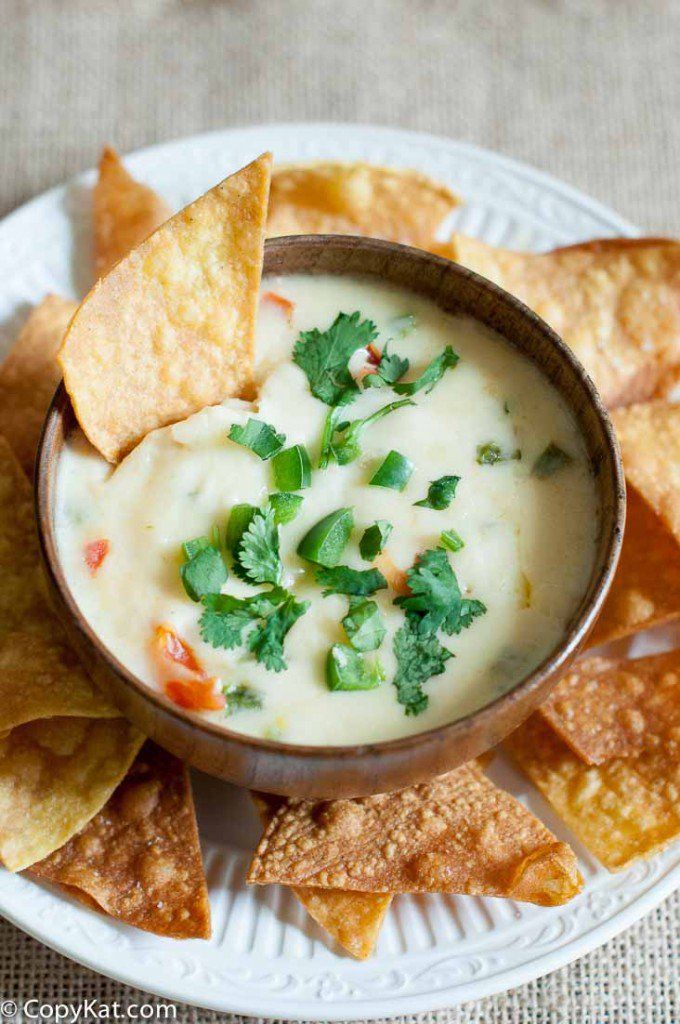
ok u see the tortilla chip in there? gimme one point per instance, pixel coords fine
(353, 919)
(605, 708)
(646, 587)
(40, 678)
(455, 834)
(170, 329)
(357, 199)
(139, 859)
(30, 374)
(55, 775)
(616, 303)
(622, 810)
(649, 435)
(125, 212)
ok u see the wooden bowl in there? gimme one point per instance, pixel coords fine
(321, 771)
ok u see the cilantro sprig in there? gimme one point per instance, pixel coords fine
(260, 437)
(440, 493)
(262, 621)
(419, 657)
(341, 579)
(347, 447)
(389, 370)
(431, 375)
(324, 357)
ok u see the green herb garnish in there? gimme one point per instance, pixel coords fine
(491, 453)
(389, 370)
(551, 459)
(469, 610)
(451, 540)
(327, 539)
(324, 357)
(363, 625)
(258, 551)
(292, 469)
(347, 448)
(419, 657)
(394, 472)
(340, 579)
(240, 518)
(266, 640)
(261, 438)
(347, 670)
(286, 506)
(374, 539)
(440, 493)
(435, 597)
(241, 698)
(225, 618)
(204, 572)
(431, 375)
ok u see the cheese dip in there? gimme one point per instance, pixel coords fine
(394, 532)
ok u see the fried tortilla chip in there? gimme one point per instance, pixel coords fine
(171, 328)
(125, 212)
(455, 834)
(55, 775)
(139, 859)
(649, 435)
(621, 810)
(615, 302)
(30, 374)
(353, 919)
(605, 708)
(646, 587)
(357, 199)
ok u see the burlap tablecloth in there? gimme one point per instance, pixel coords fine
(585, 89)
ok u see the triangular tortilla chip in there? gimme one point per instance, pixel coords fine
(139, 859)
(171, 328)
(649, 435)
(621, 810)
(455, 834)
(357, 199)
(30, 374)
(615, 302)
(646, 587)
(125, 212)
(605, 708)
(55, 774)
(353, 919)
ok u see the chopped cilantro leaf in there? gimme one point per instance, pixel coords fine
(192, 547)
(389, 370)
(266, 640)
(435, 594)
(468, 611)
(363, 625)
(347, 670)
(550, 461)
(419, 657)
(491, 453)
(440, 493)
(241, 698)
(204, 572)
(225, 617)
(374, 539)
(340, 579)
(431, 375)
(347, 448)
(258, 551)
(324, 357)
(261, 438)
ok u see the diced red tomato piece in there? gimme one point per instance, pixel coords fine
(171, 647)
(396, 577)
(195, 694)
(285, 305)
(95, 552)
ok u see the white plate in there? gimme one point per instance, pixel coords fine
(266, 956)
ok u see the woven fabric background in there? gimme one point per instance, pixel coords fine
(586, 89)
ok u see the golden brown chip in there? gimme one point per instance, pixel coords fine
(357, 199)
(616, 303)
(55, 775)
(30, 374)
(170, 329)
(649, 435)
(139, 858)
(621, 810)
(646, 587)
(606, 708)
(125, 212)
(455, 834)
(42, 678)
(353, 919)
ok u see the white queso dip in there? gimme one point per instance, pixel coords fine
(394, 532)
